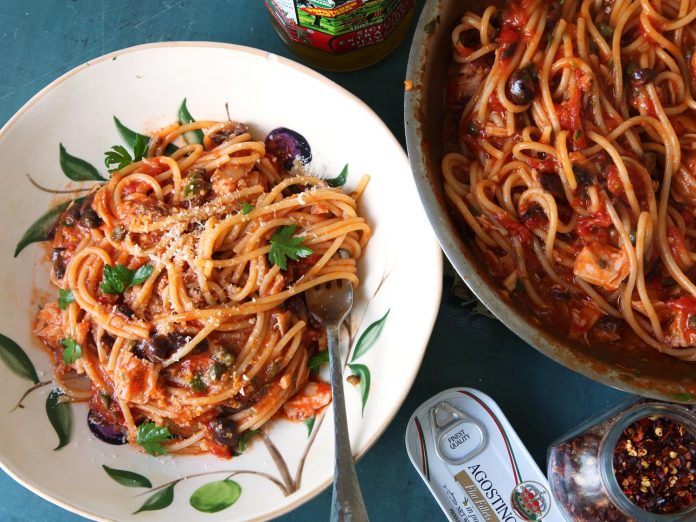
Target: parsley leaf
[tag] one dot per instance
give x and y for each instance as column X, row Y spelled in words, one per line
column 150, row 437
column 65, row 298
column 71, row 351
column 117, row 279
column 284, row 245
column 141, row 275
column 118, row 157
column 246, row 208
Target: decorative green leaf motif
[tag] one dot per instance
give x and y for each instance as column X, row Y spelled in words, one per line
column 43, row 228
column 369, row 337
column 317, row 360
column 363, row 372
column 60, row 415
column 76, row 168
column 128, row 478
column 339, row 180
column 130, row 137
column 160, row 500
column 310, row 424
column 17, row 360
column 216, row 496
column 185, row 117
column 684, row 397
column 243, row 441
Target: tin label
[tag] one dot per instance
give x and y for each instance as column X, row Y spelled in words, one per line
column 498, row 483
column 478, row 500
column 339, row 26
column 460, row 441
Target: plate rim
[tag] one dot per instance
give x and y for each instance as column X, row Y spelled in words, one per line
column 437, row 269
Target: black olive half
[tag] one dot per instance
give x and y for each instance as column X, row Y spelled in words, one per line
column 155, row 349
column 225, row 432
column 640, row 77
column 288, row 145
column 90, row 219
column 58, row 262
column 521, row 87
column 158, row 347
column 103, row 431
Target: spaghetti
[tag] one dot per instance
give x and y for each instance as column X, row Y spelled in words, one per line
column 181, row 282
column 573, row 135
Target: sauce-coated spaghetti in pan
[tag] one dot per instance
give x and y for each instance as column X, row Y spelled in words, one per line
column 572, row 168
column 181, row 282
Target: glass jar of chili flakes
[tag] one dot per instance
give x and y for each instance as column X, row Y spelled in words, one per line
column 635, row 463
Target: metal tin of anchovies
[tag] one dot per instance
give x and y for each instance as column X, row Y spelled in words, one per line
column 473, row 462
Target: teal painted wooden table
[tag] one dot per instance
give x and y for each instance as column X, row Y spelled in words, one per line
column 41, row 40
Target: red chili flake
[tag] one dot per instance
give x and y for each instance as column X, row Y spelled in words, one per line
column 655, row 465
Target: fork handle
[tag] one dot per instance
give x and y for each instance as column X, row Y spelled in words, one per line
column 346, row 503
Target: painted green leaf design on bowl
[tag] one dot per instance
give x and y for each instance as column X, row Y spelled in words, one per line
column 17, row 360
column 216, row 496
column 339, row 180
column 369, row 337
column 160, row 500
column 61, row 418
column 128, row 478
column 76, row 168
column 43, row 228
column 363, row 372
column 185, row 117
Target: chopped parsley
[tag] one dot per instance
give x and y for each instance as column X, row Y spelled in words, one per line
column 284, row 245
column 117, row 279
column 150, row 437
column 197, row 186
column 71, row 351
column 197, row 384
column 247, row 208
column 65, row 298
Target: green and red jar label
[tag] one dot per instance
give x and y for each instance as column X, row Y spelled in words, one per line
column 339, row 26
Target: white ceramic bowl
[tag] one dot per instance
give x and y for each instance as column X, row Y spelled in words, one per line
column 401, row 273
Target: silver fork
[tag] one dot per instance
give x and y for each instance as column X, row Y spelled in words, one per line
column 330, row 304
